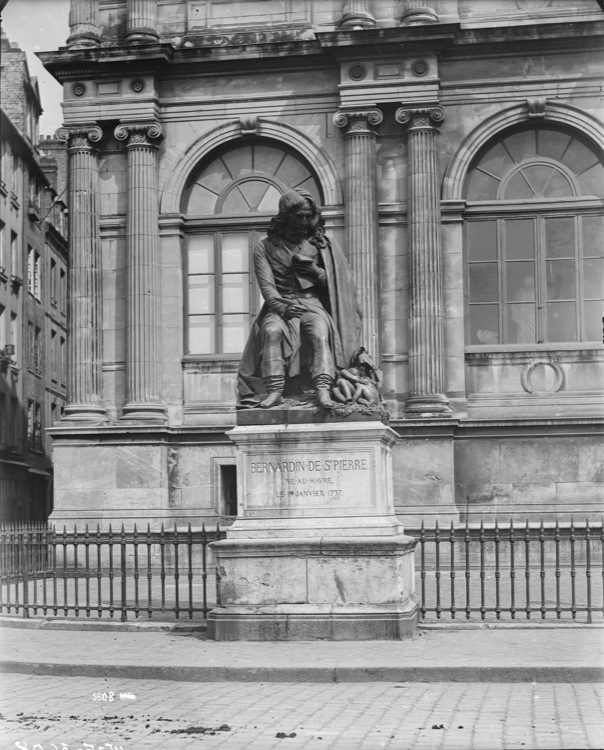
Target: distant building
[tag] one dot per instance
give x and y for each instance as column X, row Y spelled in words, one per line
column 33, row 294
column 456, row 146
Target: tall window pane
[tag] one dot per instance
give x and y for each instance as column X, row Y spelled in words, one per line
column 235, row 331
column 484, row 324
column 560, row 237
column 235, row 252
column 201, row 334
column 561, row 321
column 483, row 282
column 482, row 240
column 520, row 239
column 560, row 280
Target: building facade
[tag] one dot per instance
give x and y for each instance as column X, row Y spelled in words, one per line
column 33, row 312
column 456, row 149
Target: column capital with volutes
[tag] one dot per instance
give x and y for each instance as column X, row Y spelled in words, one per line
column 358, row 121
column 144, row 134
column 426, row 117
column 80, row 137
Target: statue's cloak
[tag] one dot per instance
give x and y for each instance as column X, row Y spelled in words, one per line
column 340, row 300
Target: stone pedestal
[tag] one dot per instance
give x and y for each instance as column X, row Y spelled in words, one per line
column 316, row 551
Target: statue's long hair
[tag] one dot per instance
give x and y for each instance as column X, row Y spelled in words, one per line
column 289, row 203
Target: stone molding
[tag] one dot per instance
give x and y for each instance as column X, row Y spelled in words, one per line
column 82, row 137
column 139, row 134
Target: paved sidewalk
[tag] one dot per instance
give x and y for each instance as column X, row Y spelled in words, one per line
column 504, row 654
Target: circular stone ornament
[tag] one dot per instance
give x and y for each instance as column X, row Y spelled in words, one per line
column 357, row 72
column 542, row 378
column 138, row 86
column 420, row 68
column 78, row 89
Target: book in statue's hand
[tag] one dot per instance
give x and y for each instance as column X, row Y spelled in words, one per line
column 303, row 260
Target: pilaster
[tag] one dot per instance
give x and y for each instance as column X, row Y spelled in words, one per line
column 83, row 31
column 143, row 347
column 426, row 349
column 142, row 22
column 84, row 375
column 361, row 215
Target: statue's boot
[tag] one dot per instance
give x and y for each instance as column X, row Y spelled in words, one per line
column 274, row 388
column 323, row 385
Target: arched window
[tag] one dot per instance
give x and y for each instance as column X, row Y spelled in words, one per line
column 535, row 240
column 228, row 203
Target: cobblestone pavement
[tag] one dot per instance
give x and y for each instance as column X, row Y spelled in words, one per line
column 42, row 712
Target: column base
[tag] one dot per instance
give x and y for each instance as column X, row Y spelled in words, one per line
column 419, row 16
column 428, row 405
column 84, row 413
column 144, row 413
column 83, row 41
column 142, row 36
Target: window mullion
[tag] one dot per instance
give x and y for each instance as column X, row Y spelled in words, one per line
column 218, row 292
column 540, row 273
column 502, row 311
column 579, row 316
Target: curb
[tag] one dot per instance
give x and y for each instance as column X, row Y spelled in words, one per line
column 102, row 625
column 310, row 674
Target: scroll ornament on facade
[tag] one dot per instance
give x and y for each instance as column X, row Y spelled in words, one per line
column 138, row 133
column 420, row 118
column 80, row 136
column 358, row 122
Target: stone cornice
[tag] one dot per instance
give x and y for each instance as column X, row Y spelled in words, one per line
column 445, row 40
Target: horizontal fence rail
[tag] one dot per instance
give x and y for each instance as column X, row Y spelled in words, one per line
column 484, row 572
column 515, row 571
column 48, row 572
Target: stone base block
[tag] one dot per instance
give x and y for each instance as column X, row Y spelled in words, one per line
column 330, row 588
column 310, row 623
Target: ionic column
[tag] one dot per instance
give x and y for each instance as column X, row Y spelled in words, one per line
column 142, row 22
column 362, row 216
column 357, row 14
column 83, row 31
column 417, row 13
column 426, row 354
column 84, row 294
column 143, row 331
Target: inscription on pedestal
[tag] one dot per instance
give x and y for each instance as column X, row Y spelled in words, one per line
column 317, row 479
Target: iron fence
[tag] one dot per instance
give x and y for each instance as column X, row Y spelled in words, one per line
column 512, row 571
column 44, row 571
column 486, row 572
